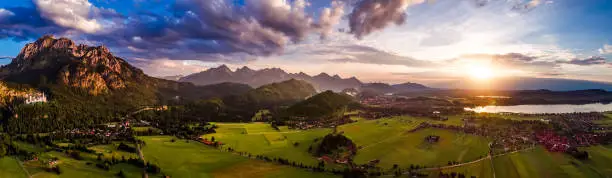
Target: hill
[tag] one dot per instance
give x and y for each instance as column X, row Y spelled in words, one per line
column 383, row 88
column 324, row 104
column 85, row 86
column 257, row 78
column 286, row 92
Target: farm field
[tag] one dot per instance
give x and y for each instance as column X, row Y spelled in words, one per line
column 411, row 148
column 77, row 168
column 9, row 167
column 69, row 166
column 193, row 159
column 540, row 163
column 110, row 151
column 262, row 139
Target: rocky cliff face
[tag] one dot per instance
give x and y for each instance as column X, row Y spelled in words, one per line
column 62, row 61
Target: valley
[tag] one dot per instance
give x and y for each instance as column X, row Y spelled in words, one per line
column 87, row 113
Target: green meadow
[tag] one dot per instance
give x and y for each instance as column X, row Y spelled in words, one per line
column 262, row 139
column 540, row 163
column 193, row 159
column 411, row 148
column 389, row 141
column 9, row 167
column 70, row 167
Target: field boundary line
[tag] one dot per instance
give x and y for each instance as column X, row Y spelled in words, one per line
column 23, row 168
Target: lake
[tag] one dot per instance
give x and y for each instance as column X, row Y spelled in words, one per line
column 538, row 109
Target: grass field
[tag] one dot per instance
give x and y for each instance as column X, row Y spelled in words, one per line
column 72, row 168
column 411, row 148
column 110, row 151
column 9, row 167
column 193, row 159
column 69, row 167
column 541, row 163
column 389, row 141
column 262, row 139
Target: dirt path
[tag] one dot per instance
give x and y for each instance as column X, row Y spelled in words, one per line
column 471, row 162
column 144, row 170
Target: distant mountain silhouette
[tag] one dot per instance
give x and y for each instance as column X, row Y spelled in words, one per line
column 256, row 78
column 526, row 83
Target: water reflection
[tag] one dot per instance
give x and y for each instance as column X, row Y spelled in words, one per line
column 538, row 109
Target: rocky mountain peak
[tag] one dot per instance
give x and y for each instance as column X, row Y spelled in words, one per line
column 245, row 70
column 222, row 68
column 323, row 74
column 92, row 68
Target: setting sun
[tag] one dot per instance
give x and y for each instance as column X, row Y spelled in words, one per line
column 480, row 71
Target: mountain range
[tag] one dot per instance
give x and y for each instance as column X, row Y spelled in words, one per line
column 256, row 78
column 65, row 69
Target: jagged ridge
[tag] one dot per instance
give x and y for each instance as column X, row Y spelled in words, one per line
column 256, row 78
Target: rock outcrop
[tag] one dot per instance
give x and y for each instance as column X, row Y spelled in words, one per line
column 62, row 61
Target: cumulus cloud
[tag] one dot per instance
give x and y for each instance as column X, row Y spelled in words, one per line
column 372, row 15
column 69, row 13
column 606, row 49
column 330, row 17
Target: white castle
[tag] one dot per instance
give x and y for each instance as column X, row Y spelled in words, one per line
column 36, row 98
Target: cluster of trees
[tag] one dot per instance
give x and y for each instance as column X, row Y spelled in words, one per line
column 331, row 144
column 322, row 105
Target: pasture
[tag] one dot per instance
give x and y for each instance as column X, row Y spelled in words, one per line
column 69, row 166
column 262, row 139
column 9, row 167
column 540, row 163
column 412, row 148
column 192, row 159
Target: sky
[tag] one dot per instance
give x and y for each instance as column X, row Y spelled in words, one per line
column 395, row 41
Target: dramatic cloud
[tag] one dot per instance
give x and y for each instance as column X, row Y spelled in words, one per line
column 69, row 13
column 20, row 23
column 606, row 49
column 372, row 15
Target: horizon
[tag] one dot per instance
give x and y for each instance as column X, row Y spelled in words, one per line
column 421, row 41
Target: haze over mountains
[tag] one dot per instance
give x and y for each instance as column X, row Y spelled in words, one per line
column 256, row 78
column 95, row 69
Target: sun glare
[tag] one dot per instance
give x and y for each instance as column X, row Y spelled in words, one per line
column 481, row 72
